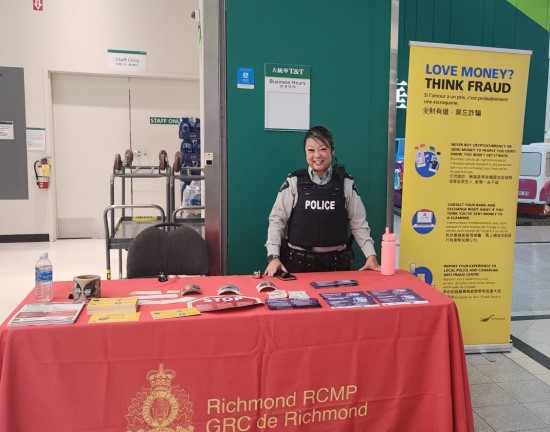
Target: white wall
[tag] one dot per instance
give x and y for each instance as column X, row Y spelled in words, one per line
column 74, row 35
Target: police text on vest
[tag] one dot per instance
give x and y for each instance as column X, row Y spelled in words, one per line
column 320, row 204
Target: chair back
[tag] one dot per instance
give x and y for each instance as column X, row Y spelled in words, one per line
column 158, row 249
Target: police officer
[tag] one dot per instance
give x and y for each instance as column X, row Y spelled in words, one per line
column 308, row 225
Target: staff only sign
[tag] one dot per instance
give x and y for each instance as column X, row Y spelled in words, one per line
column 462, row 153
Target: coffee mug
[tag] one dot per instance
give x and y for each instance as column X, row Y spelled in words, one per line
column 85, row 287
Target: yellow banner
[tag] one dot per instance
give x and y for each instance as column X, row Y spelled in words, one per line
column 462, row 153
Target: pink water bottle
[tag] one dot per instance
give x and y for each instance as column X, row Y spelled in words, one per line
column 389, row 244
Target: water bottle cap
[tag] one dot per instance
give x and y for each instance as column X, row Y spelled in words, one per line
column 389, row 237
column 43, row 254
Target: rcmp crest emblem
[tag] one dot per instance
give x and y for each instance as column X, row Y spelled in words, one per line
column 162, row 407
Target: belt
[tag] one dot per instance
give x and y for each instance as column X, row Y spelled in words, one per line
column 313, row 261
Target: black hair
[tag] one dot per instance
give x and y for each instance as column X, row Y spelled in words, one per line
column 322, row 134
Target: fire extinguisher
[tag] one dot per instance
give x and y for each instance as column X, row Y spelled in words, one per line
column 42, row 173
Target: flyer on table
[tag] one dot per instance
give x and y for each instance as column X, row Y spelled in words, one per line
column 462, row 153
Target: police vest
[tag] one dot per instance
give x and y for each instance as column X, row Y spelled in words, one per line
column 319, row 217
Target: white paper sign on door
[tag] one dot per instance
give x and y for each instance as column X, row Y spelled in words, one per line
column 287, row 95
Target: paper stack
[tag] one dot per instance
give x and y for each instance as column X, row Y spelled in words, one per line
column 46, row 313
column 118, row 305
column 397, row 296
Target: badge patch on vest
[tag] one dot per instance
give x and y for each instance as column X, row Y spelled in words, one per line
column 284, row 186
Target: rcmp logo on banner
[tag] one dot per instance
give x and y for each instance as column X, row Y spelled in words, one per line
column 162, row 407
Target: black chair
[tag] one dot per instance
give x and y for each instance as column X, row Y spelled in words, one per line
column 168, row 249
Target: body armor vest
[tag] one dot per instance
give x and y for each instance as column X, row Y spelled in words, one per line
column 319, row 217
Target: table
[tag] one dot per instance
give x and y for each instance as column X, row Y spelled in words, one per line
column 386, row 368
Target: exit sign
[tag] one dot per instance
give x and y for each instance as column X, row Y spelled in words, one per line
column 164, row 120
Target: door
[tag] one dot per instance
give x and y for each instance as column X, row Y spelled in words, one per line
column 97, row 117
column 90, row 125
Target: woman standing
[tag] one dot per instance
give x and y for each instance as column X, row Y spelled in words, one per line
column 308, row 225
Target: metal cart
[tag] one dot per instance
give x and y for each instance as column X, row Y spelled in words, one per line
column 119, row 234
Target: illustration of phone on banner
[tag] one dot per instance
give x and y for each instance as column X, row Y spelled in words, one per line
column 420, row 159
column 426, row 160
column 434, row 164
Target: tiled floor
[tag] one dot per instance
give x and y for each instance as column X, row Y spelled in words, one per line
column 531, row 298
column 510, row 392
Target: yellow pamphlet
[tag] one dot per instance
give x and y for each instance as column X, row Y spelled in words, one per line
column 174, row 313
column 112, row 305
column 114, row 317
column 110, row 301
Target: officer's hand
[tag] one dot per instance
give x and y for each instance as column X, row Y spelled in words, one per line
column 273, row 267
column 371, row 264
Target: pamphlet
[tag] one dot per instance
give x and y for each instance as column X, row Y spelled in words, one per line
column 173, row 291
column 334, row 283
column 112, row 305
column 45, row 314
column 158, row 296
column 277, row 294
column 101, row 317
column 138, row 293
column 165, row 301
column 292, row 303
column 298, row 294
column 175, row 313
column 398, row 296
column 354, row 299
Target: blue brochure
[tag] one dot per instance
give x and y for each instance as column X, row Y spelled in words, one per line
column 292, row 303
column 398, row 296
column 334, row 283
column 354, row 299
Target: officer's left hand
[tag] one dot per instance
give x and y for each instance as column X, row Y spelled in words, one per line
column 371, row 264
column 274, row 266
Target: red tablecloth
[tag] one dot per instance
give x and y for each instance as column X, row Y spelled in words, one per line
column 393, row 368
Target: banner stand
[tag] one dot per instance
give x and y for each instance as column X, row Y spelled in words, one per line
column 488, row 348
column 465, row 112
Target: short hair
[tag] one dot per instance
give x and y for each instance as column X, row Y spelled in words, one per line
column 320, row 133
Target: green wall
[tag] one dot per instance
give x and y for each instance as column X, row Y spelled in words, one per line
column 347, row 45
column 490, row 23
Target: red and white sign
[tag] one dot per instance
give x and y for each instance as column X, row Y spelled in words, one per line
column 38, row 5
column 215, row 303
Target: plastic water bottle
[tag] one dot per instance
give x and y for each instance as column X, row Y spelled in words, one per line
column 192, row 197
column 187, row 195
column 389, row 246
column 195, row 193
column 43, row 279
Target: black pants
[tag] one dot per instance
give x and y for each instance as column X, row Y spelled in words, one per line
column 297, row 261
